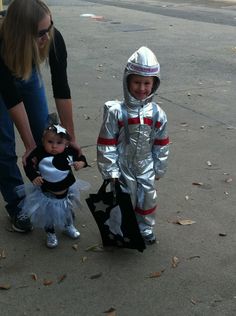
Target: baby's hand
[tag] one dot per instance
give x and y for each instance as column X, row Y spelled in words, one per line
column 78, row 165
column 38, row 181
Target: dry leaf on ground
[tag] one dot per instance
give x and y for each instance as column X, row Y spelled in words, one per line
column 110, row 312
column 84, row 259
column 193, row 257
column 96, row 247
column 5, row 286
column 2, row 254
column 96, row 276
column 222, row 234
column 75, row 246
column 174, row 261
column 156, row 274
column 47, row 282
column 197, row 183
column 209, row 163
column 34, row 276
column 185, row 222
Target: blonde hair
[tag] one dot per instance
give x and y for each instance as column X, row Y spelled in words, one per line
column 18, row 33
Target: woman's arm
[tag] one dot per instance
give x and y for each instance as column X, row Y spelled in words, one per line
column 20, row 119
column 61, row 89
column 64, row 109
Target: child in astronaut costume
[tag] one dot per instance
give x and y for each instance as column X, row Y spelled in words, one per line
column 54, row 191
column 132, row 146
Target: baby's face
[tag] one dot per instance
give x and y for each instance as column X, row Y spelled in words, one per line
column 140, row 87
column 53, row 143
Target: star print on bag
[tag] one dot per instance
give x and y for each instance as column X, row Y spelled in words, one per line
column 115, row 218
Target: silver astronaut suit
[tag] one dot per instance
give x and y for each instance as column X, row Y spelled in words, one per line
column 133, row 141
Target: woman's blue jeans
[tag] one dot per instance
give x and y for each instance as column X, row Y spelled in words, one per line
column 34, row 98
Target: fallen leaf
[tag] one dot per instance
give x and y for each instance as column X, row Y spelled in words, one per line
column 197, row 183
column 96, row 247
column 193, row 257
column 5, row 286
column 156, row 274
column 228, row 180
column 222, row 234
column 34, row 276
column 209, row 163
column 47, row 282
column 84, row 259
column 186, row 197
column 96, row 276
column 193, row 301
column 75, row 246
column 3, row 255
column 110, row 312
column 174, row 261
column 185, row 222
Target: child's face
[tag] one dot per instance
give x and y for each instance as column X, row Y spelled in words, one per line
column 140, row 87
column 53, row 143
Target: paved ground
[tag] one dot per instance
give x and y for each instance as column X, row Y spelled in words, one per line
column 198, row 93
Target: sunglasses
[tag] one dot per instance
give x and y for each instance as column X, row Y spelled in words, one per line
column 43, row 32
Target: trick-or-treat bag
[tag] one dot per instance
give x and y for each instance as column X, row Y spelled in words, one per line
column 115, row 217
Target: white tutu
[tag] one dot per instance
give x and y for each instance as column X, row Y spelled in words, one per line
column 45, row 210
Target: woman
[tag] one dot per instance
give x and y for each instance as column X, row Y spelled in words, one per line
column 27, row 39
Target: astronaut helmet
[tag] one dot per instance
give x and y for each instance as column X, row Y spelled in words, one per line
column 142, row 62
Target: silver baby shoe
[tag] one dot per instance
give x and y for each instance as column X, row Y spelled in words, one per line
column 71, row 231
column 51, row 241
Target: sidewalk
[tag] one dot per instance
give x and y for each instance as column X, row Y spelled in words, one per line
column 191, row 271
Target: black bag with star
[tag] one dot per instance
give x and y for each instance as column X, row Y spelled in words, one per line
column 115, row 217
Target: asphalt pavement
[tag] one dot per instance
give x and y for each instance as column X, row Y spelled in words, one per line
column 191, row 270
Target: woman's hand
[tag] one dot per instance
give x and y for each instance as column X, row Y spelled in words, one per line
column 76, row 147
column 20, row 119
column 26, row 154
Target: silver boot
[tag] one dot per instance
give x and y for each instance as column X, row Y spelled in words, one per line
column 51, row 241
column 71, row 231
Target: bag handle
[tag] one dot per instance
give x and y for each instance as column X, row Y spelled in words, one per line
column 103, row 186
column 115, row 189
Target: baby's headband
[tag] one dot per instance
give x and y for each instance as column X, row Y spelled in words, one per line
column 58, row 129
